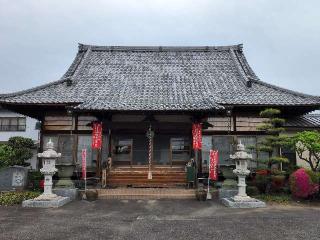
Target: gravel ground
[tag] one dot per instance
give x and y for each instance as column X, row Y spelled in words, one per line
column 159, row 219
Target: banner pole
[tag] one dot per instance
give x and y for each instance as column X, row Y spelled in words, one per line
column 85, row 176
column 84, row 167
column 208, row 191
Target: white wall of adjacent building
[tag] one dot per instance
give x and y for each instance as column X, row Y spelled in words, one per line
column 303, row 163
column 28, row 132
column 299, row 162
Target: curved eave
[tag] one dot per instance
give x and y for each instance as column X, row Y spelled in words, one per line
column 296, row 93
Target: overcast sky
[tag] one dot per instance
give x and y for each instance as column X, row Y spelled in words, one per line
column 38, row 39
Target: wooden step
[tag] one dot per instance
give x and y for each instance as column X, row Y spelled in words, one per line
column 145, row 175
column 138, row 176
column 145, row 172
column 173, row 169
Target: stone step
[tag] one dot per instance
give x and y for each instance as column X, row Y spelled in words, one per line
column 146, row 193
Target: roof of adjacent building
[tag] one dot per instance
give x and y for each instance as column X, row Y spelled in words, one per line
column 160, row 78
column 305, row 121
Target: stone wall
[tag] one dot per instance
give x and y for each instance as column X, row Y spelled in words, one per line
column 15, row 177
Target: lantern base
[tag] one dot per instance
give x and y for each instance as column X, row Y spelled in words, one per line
column 247, row 203
column 52, row 203
column 227, row 193
column 72, row 193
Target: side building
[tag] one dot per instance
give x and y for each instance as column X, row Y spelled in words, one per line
column 13, row 124
column 307, row 122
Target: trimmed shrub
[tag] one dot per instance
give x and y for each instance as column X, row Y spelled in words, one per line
column 252, row 191
column 263, row 172
column 11, row 198
column 301, row 185
column 6, row 153
column 262, row 182
column 277, row 183
column 279, row 198
column 16, row 152
column 314, row 176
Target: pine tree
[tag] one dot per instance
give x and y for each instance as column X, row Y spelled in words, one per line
column 272, row 126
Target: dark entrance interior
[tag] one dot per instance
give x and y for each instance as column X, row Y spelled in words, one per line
column 167, row 149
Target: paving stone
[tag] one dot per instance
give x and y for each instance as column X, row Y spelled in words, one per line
column 54, row 203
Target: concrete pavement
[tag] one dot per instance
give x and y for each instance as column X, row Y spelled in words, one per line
column 159, row 219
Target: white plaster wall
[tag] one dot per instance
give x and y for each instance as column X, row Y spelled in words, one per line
column 30, row 127
column 302, row 163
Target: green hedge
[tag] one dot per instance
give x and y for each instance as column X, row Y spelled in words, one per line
column 314, row 176
column 11, row 198
column 280, row 198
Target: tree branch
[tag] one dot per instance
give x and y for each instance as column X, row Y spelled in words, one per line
column 309, row 161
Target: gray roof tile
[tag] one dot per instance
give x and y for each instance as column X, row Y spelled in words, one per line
column 304, row 121
column 160, row 78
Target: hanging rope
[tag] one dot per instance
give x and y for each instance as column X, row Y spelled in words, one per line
column 150, row 151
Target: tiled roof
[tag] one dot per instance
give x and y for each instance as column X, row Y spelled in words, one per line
column 160, row 78
column 305, row 121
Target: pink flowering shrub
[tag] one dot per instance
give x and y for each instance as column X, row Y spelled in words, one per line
column 301, row 185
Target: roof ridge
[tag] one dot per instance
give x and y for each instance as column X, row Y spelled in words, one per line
column 84, row 47
column 246, row 66
column 80, row 64
column 239, row 67
column 74, row 65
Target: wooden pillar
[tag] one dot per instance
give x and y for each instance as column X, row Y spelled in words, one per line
column 109, row 143
column 196, row 159
column 98, row 168
column 40, row 149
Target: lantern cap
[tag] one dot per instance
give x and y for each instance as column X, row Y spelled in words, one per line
column 50, row 152
column 240, row 146
column 50, row 144
column 241, row 153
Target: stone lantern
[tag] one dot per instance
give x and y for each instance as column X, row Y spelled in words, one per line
column 47, row 198
column 48, row 170
column 242, row 200
column 241, row 158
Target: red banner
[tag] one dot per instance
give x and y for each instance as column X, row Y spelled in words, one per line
column 96, row 135
column 213, row 168
column 197, row 136
column 84, row 163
